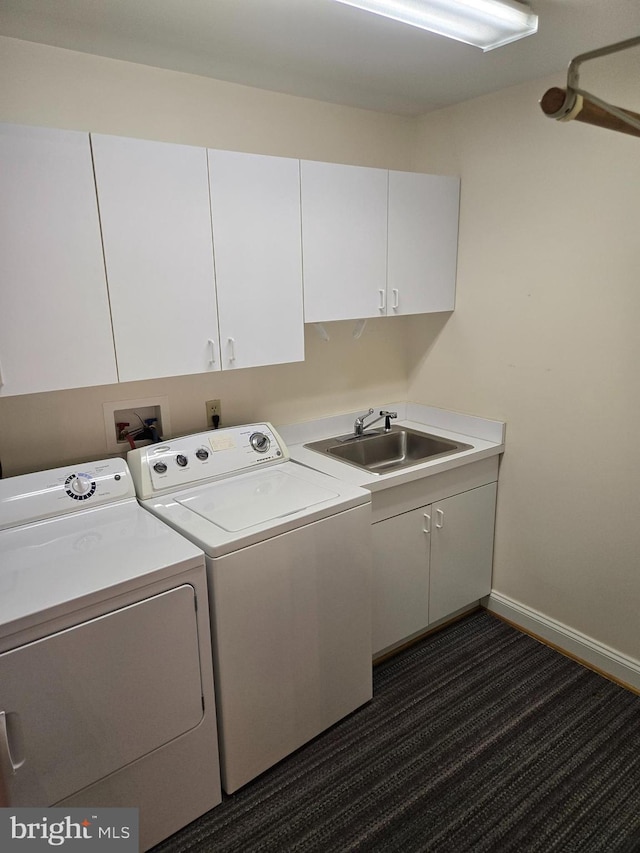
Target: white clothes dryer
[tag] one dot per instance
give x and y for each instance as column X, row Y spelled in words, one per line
column 106, row 682
column 289, row 571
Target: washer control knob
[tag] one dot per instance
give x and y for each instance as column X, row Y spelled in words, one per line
column 160, row 467
column 202, row 453
column 260, row 442
column 181, row 460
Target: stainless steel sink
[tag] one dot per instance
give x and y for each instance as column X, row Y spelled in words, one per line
column 382, row 452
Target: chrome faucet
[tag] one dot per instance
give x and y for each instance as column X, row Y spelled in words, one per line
column 358, row 427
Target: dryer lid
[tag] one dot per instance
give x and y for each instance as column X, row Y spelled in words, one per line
column 239, row 503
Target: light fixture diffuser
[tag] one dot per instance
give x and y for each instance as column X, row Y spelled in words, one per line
column 482, row 23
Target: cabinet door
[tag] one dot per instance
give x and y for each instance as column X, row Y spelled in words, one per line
column 423, row 242
column 344, row 241
column 156, row 225
column 255, row 205
column 400, row 577
column 55, row 327
column 461, row 550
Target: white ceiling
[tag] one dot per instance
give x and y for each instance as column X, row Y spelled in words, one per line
column 318, row 48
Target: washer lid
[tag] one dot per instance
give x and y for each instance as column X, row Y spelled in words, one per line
column 238, row 504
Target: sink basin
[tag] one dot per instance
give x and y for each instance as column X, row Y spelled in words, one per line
column 383, row 452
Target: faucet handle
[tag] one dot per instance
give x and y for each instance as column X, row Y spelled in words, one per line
column 361, row 418
column 358, row 426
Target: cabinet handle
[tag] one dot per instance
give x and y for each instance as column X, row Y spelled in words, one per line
column 212, row 351
column 232, row 349
column 382, row 303
column 6, row 759
column 440, row 521
column 396, row 298
column 427, row 523
column 1, row 376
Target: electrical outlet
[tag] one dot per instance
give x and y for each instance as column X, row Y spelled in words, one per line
column 213, row 408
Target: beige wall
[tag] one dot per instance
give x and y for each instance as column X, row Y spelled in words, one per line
column 52, row 87
column 545, row 336
column 59, row 88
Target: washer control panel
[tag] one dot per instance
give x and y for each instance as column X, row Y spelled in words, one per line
column 205, row 456
column 59, row 491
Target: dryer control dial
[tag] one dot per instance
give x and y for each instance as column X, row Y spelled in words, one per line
column 260, row 442
column 80, row 487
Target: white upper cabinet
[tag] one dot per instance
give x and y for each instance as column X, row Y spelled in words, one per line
column 423, row 242
column 344, row 239
column 205, row 254
column 377, row 243
column 156, row 225
column 255, row 207
column 55, row 329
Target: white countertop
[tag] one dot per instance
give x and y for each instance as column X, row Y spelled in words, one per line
column 486, row 437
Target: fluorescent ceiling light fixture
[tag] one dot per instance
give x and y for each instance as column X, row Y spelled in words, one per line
column 482, row 23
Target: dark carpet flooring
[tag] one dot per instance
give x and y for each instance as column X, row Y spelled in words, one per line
column 478, row 738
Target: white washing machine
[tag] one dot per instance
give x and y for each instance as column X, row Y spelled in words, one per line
column 106, row 682
column 289, row 572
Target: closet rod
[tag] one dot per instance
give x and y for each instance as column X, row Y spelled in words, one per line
column 575, row 103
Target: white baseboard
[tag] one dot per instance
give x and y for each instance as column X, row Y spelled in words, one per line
column 593, row 654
